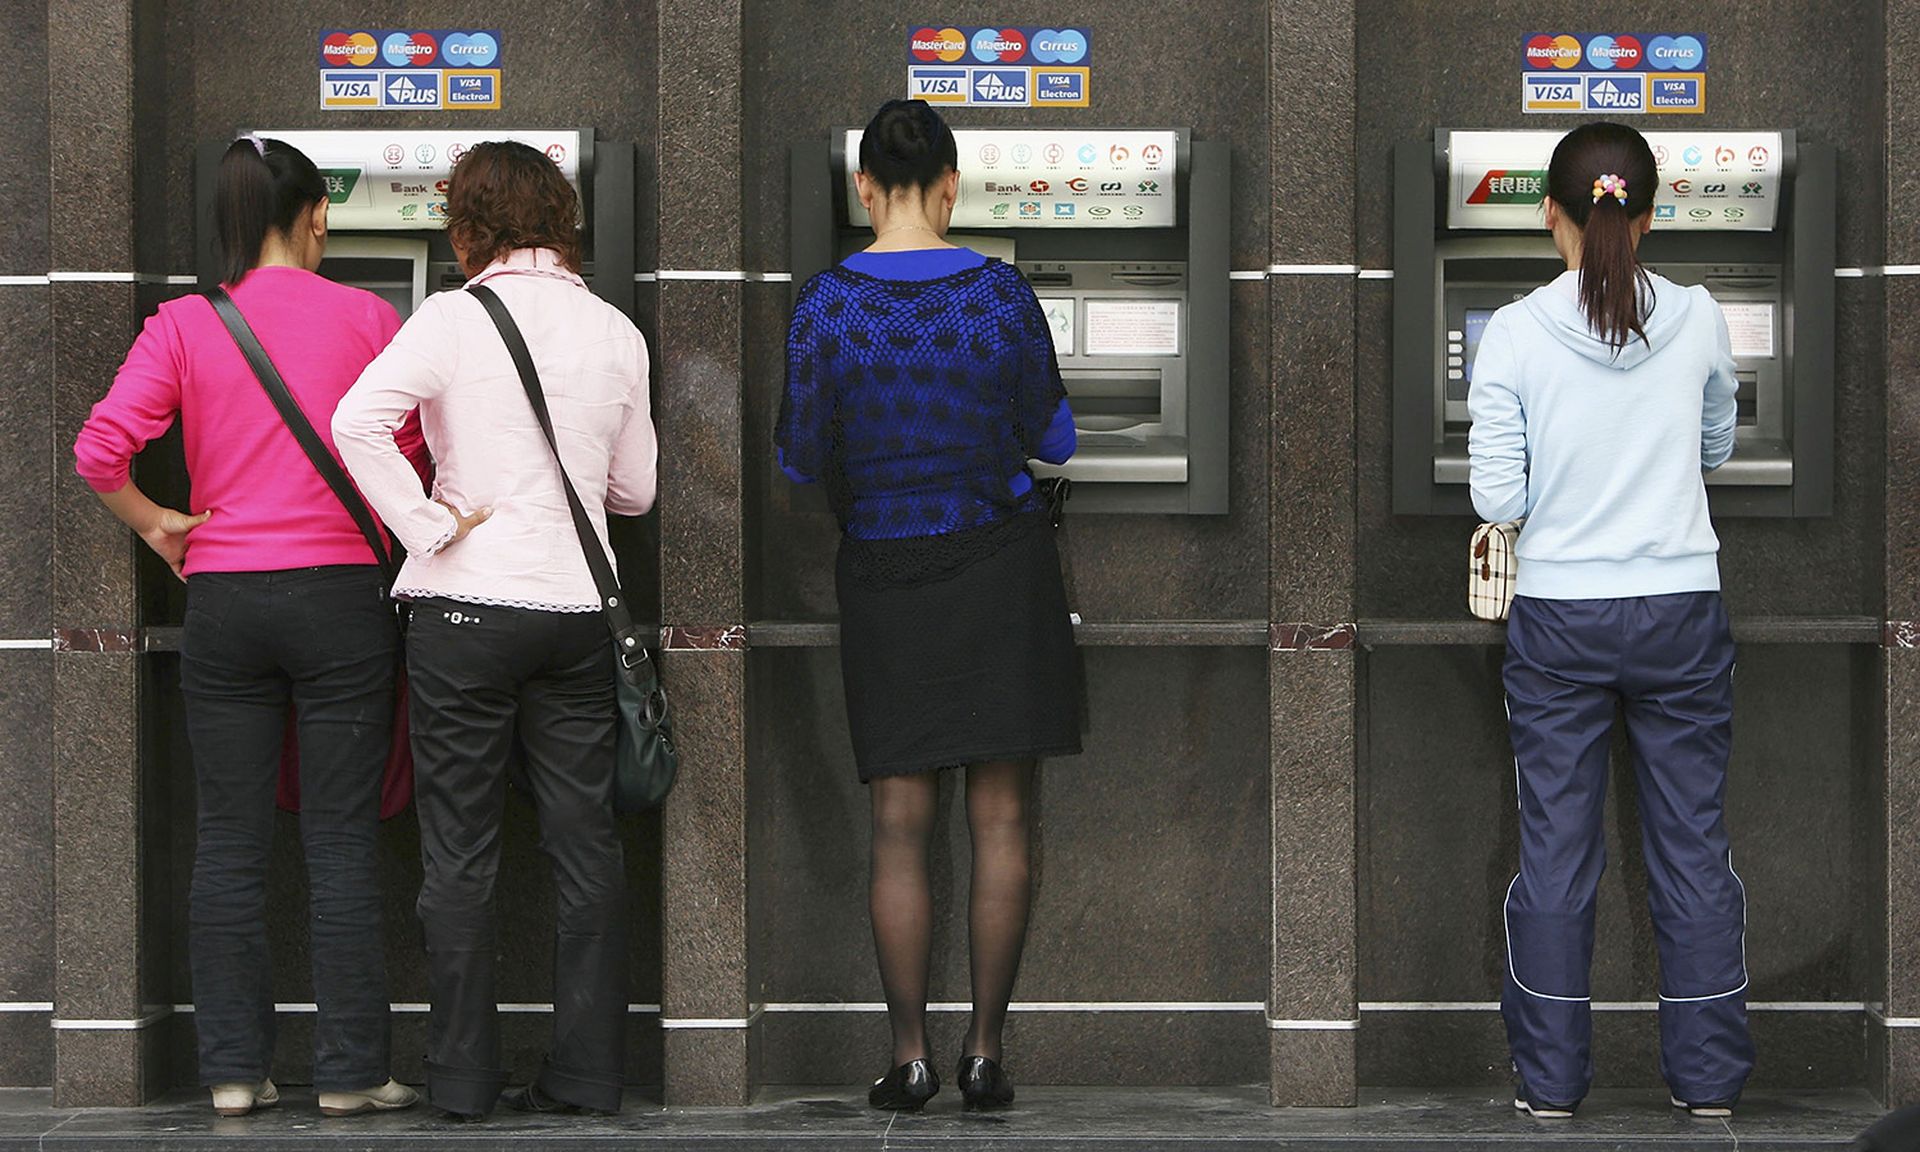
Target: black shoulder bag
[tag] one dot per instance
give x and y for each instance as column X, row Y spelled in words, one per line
column 646, row 758
column 396, row 783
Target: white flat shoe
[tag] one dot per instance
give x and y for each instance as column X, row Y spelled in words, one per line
column 240, row 1099
column 386, row 1098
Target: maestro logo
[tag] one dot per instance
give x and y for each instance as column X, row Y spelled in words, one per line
column 1605, row 52
column 415, row 49
column 470, row 49
column 942, row 44
column 1676, row 53
column 1545, row 51
column 1059, row 46
column 1002, row 46
column 355, row 48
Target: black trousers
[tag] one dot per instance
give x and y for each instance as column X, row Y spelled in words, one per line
column 481, row 678
column 325, row 640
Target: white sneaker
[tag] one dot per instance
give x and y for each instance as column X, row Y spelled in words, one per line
column 1711, row 1110
column 240, row 1099
column 386, row 1098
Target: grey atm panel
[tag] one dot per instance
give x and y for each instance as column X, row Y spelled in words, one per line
column 1775, row 285
column 404, row 264
column 1152, row 420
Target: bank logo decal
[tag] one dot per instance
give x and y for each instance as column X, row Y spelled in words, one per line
column 1010, row 67
column 410, row 90
column 1002, row 86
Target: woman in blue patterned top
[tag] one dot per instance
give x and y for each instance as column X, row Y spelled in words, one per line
column 920, row 380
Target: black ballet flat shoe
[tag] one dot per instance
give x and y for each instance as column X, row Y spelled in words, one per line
column 531, row 1099
column 984, row 1085
column 906, row 1088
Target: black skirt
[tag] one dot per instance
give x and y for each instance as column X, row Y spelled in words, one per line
column 974, row 664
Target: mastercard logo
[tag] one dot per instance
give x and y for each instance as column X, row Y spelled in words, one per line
column 357, row 49
column 944, row 44
column 1553, row 52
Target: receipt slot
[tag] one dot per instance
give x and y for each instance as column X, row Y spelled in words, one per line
column 387, row 210
column 1750, row 215
column 1123, row 235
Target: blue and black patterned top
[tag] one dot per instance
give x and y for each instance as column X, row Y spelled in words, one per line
column 919, row 384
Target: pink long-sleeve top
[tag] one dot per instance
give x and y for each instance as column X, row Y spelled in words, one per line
column 449, row 361
column 271, row 510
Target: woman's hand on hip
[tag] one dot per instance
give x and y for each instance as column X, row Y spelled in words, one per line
column 464, row 522
column 167, row 535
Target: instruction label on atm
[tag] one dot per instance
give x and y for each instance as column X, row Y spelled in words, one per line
column 397, row 178
column 1043, row 178
column 1720, row 181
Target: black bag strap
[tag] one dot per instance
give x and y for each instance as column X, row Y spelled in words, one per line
column 627, row 638
column 297, row 423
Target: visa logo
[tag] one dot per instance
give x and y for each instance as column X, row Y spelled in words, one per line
column 416, row 90
column 1007, row 86
column 1553, row 90
column 938, row 85
column 349, row 90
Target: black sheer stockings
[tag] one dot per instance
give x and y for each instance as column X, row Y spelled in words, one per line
column 901, row 899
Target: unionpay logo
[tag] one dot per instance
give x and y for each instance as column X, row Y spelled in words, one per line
column 1002, row 46
column 343, row 48
column 943, row 44
column 1509, row 186
column 404, row 90
column 1543, row 51
column 1003, row 86
column 409, row 49
column 340, row 183
column 1059, row 46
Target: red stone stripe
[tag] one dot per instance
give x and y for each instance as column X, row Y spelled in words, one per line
column 1300, row 636
column 720, row 638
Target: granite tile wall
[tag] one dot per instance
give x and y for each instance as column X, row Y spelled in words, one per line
column 26, row 844
column 26, row 462
column 1150, row 872
column 25, row 242
column 1203, row 69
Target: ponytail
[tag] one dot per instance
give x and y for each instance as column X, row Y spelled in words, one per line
column 262, row 188
column 1603, row 176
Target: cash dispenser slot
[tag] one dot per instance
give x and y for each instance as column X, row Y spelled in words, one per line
column 1122, row 233
column 1747, row 215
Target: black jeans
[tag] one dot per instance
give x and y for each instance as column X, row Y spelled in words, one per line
column 325, row 640
column 483, row 677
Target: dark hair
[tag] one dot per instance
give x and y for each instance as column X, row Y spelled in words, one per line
column 1613, row 285
column 504, row 196
column 907, row 145
column 262, row 188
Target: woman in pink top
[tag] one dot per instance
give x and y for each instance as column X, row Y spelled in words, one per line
column 285, row 604
column 508, row 647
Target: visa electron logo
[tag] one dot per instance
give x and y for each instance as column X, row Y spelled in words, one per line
column 944, row 44
column 404, row 48
column 475, row 50
column 1545, row 51
column 1614, row 52
column 1676, row 53
column 1509, row 186
column 357, row 49
column 1064, row 46
column 999, row 47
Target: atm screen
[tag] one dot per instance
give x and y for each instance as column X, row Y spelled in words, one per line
column 1475, row 324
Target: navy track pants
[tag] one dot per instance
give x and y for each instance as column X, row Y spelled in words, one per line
column 1668, row 661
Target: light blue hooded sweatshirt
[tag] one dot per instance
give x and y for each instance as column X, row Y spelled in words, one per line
column 1603, row 453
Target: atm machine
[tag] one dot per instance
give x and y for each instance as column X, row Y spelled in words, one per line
column 1748, row 214
column 1123, row 235
column 387, row 211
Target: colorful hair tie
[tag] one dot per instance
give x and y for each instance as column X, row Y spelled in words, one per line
column 1610, row 184
column 259, row 145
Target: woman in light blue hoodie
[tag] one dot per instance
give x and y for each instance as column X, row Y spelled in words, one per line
column 1598, row 402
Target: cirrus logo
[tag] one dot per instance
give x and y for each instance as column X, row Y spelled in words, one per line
column 1059, row 46
column 1676, row 53
column 471, row 50
column 409, row 48
column 999, row 46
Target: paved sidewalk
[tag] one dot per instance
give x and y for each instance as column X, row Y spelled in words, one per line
column 1081, row 1119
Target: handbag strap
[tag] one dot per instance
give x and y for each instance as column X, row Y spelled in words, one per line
column 627, row 640
column 302, row 429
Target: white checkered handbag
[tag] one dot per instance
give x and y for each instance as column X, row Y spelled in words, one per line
column 1492, row 569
